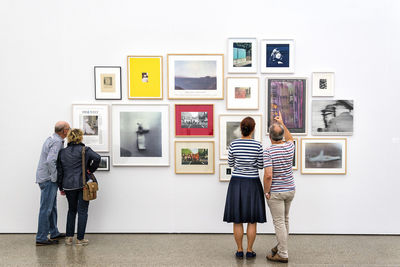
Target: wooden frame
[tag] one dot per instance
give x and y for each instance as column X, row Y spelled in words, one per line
column 231, row 56
column 208, row 168
column 232, row 103
column 297, row 126
column 223, row 140
column 196, row 93
column 104, row 91
column 321, row 163
column 191, row 132
column 146, row 87
column 223, row 176
column 326, row 88
column 274, row 53
column 140, row 134
column 94, row 120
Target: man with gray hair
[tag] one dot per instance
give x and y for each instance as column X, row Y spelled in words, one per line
column 279, row 185
column 46, row 177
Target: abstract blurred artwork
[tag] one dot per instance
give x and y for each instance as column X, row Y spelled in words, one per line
column 288, row 96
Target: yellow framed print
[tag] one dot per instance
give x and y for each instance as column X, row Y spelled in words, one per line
column 145, row 77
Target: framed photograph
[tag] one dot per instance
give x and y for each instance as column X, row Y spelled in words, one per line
column 323, row 156
column 93, row 120
column 277, row 56
column 104, row 163
column 289, row 96
column 323, row 84
column 225, row 172
column 145, row 77
column 107, row 83
column 194, row 120
column 140, row 135
column 195, row 76
column 242, row 55
column 242, row 93
column 295, row 160
column 194, row 157
column 229, row 130
column 332, row 117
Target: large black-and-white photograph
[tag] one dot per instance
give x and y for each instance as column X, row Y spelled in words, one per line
column 332, row 117
column 232, row 132
column 323, row 155
column 194, row 120
column 140, row 134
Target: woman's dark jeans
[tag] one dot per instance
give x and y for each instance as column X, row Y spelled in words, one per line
column 76, row 204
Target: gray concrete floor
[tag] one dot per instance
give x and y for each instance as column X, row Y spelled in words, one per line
column 199, row 250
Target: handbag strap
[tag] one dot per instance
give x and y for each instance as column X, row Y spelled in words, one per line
column 83, row 166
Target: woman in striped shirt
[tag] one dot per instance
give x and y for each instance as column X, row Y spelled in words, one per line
column 245, row 198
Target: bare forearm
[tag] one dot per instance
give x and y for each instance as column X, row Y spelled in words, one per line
column 288, row 136
column 267, row 183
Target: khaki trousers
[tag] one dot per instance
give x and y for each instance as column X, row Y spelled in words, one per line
column 279, row 205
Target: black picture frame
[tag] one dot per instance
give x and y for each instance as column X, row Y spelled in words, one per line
column 107, row 167
column 97, row 85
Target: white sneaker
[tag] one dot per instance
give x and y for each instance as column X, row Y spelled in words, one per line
column 68, row 240
column 82, row 242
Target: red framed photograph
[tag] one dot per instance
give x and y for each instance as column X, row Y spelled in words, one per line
column 194, row 120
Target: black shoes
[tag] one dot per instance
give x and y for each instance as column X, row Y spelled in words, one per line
column 47, row 242
column 250, row 255
column 239, row 254
column 59, row 236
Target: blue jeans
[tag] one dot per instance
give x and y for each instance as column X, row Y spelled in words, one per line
column 76, row 204
column 48, row 211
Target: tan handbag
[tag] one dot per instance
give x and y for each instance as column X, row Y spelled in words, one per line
column 89, row 189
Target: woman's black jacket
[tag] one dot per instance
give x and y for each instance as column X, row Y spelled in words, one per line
column 69, row 165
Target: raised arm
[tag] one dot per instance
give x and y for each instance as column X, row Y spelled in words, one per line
column 287, row 135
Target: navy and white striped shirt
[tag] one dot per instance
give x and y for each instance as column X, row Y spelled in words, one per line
column 280, row 158
column 246, row 157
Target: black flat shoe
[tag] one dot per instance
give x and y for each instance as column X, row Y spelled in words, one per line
column 239, row 254
column 47, row 242
column 59, row 236
column 250, row 255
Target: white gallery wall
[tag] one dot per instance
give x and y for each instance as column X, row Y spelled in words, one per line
column 47, row 53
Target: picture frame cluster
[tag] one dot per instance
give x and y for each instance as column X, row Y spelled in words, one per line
column 139, row 134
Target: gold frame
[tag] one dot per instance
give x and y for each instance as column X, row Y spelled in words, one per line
column 258, row 89
column 195, row 136
column 345, row 153
column 219, row 177
column 162, row 78
column 197, row 141
column 186, row 98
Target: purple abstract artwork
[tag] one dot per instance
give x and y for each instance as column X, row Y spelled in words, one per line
column 288, row 97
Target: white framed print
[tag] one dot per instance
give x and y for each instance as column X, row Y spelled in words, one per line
column 323, row 155
column 242, row 55
column 104, row 164
column 323, row 84
column 225, row 172
column 242, row 93
column 140, row 135
column 229, row 130
column 195, row 76
column 107, row 83
column 93, row 120
column 277, row 56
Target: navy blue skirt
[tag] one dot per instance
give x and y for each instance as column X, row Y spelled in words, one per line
column 245, row 201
